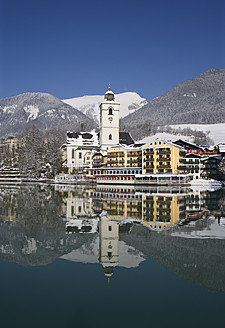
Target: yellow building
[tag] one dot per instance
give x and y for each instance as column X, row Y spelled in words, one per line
column 161, row 157
column 160, row 211
column 158, row 162
column 124, row 156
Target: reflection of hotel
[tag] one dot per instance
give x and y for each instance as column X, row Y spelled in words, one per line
column 108, row 212
column 156, row 210
column 160, row 211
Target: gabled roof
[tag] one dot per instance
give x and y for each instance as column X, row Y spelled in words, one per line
column 217, row 157
column 187, row 144
column 125, row 138
column 193, row 155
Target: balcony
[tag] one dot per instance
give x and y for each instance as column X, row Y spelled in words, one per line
column 163, row 159
column 149, row 166
column 134, row 161
column 163, row 167
column 166, row 152
column 163, row 218
column 182, row 167
column 149, row 152
column 149, row 202
column 112, row 155
column 164, row 202
column 134, row 154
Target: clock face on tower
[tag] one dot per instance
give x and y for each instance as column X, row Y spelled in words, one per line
column 110, row 119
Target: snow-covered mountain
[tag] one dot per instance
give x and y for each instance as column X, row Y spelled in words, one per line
column 40, row 109
column 216, row 131
column 89, row 105
column 197, row 101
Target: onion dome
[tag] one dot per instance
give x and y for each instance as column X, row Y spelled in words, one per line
column 109, row 95
column 108, row 271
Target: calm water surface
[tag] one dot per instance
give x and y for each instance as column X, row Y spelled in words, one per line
column 115, row 257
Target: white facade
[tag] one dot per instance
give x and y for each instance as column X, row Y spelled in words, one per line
column 78, row 158
column 81, row 146
column 109, row 121
column 80, row 149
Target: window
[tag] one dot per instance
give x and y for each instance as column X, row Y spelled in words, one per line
column 110, row 228
column 72, row 153
column 110, row 111
column 110, row 137
column 80, row 155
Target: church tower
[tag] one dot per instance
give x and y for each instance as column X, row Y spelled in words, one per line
column 109, row 121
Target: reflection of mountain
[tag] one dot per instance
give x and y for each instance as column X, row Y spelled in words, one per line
column 38, row 225
column 129, row 257
column 32, row 231
column 201, row 261
column 44, row 248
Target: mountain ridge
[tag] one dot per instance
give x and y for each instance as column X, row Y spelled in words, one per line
column 200, row 100
column 41, row 109
column 89, row 104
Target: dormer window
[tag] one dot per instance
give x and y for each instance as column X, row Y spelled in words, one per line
column 110, row 111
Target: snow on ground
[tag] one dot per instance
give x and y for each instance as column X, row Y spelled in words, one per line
column 165, row 137
column 89, row 105
column 217, row 131
column 214, row 229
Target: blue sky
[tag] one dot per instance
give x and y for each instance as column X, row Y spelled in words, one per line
column 72, row 48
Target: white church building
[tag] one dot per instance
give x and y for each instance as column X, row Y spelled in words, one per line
column 81, row 146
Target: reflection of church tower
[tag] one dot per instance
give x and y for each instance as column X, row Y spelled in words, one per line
column 109, row 121
column 109, row 239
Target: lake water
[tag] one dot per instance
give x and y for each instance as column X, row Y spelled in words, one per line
column 111, row 257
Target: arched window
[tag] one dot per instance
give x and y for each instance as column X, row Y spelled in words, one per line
column 110, row 137
column 110, row 111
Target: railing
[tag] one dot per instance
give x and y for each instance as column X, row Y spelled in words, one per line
column 163, row 166
column 148, row 152
column 166, row 152
column 181, row 167
column 133, row 154
column 134, row 161
column 163, row 159
column 163, row 202
column 163, row 218
column 112, row 155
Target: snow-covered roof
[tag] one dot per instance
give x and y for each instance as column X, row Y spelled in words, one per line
column 221, row 148
column 216, row 156
column 164, row 137
column 82, row 138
